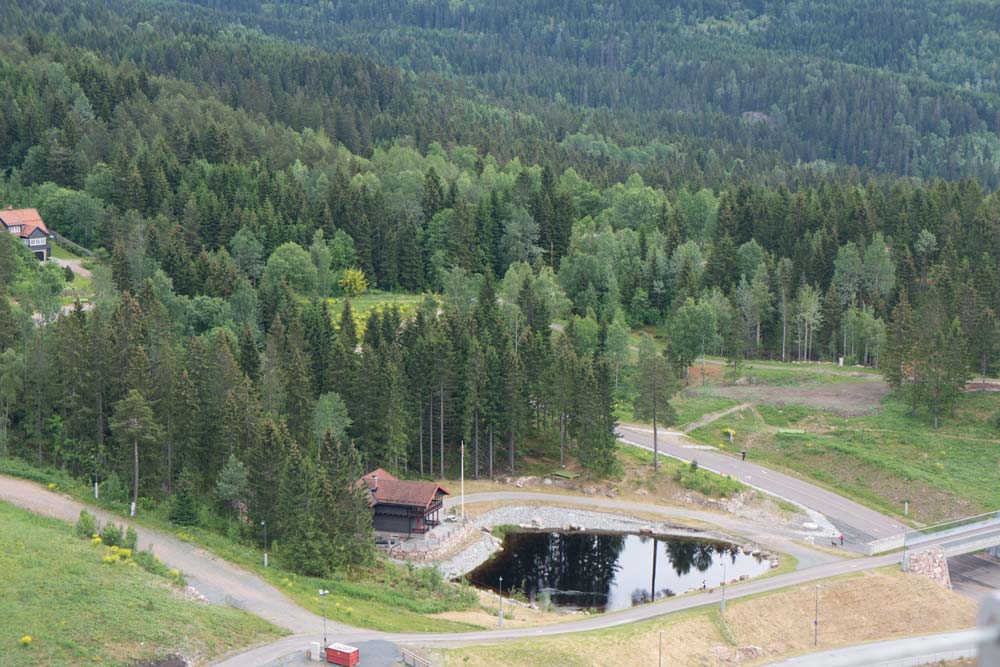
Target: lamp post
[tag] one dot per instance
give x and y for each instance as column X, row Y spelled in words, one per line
column 323, row 593
column 94, row 457
column 500, row 596
column 816, row 620
column 722, row 604
column 264, row 523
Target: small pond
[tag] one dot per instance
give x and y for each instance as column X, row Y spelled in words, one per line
column 607, row 572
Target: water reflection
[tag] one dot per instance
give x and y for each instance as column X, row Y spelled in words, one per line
column 607, row 572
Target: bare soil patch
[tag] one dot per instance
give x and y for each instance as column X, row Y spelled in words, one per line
column 849, row 399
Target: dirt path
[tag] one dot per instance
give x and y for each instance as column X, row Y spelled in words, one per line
column 75, row 264
column 712, row 416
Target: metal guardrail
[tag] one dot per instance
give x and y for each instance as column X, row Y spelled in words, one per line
column 76, row 247
column 413, row 660
column 918, row 535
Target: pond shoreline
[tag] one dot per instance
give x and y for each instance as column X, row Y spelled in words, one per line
column 548, row 518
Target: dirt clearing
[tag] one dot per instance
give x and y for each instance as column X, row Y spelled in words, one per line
column 849, row 399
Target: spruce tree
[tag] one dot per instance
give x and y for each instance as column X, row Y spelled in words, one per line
column 184, row 504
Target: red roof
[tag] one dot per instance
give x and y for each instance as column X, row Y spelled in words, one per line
column 27, row 218
column 388, row 489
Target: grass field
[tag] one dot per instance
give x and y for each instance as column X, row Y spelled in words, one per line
column 779, row 623
column 78, row 610
column 364, row 304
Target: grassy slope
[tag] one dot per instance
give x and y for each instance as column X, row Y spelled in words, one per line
column 951, row 470
column 779, row 622
column 78, row 610
column 385, row 597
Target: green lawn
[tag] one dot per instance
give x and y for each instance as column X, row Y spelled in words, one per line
column 78, row 610
column 884, row 458
column 370, row 301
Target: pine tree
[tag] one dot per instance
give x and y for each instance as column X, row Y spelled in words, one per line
column 897, row 359
column 304, row 546
column 346, row 518
column 183, row 506
column 656, row 383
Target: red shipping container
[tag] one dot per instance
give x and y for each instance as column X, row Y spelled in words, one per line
column 342, row 654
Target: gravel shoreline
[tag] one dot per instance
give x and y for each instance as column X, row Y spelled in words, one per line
column 547, row 517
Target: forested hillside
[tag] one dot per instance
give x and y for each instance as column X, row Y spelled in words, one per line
column 906, row 88
column 543, row 184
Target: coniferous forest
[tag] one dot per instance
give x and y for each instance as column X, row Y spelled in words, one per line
column 794, row 181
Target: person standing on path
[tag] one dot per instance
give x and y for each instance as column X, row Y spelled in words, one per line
column 841, row 539
column 744, row 454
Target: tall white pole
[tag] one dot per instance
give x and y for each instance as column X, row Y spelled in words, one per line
column 463, row 480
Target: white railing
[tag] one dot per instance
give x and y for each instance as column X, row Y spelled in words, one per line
column 413, row 660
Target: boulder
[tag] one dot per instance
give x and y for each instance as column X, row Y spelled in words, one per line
column 547, row 482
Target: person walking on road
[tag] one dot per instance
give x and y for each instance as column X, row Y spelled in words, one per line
column 744, row 454
column 841, row 539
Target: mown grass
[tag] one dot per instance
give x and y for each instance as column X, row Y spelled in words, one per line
column 686, row 475
column 883, row 458
column 386, row 596
column 77, row 609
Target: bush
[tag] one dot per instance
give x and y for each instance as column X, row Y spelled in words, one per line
column 113, row 489
column 86, row 525
column 131, row 539
column 111, row 535
column 68, row 274
column 148, row 561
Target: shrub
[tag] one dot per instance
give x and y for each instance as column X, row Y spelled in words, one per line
column 68, row 274
column 111, row 535
column 131, row 539
column 86, row 525
column 113, row 489
column 148, row 561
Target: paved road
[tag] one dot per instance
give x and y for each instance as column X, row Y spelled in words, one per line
column 974, row 576
column 927, row 649
column 856, row 521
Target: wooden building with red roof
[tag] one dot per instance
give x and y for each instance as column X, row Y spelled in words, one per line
column 29, row 227
column 401, row 506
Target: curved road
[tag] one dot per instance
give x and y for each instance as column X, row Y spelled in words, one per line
column 857, row 522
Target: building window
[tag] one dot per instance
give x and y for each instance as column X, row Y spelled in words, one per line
column 36, row 241
column 16, row 229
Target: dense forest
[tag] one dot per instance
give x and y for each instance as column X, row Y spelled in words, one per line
column 237, row 182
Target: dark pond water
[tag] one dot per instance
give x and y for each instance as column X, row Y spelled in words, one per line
column 608, row 572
